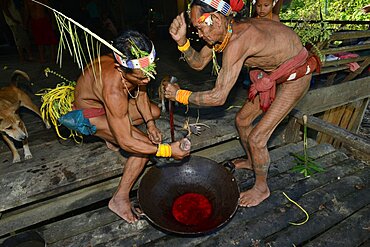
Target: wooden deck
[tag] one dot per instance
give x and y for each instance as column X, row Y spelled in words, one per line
column 337, row 201
column 63, row 192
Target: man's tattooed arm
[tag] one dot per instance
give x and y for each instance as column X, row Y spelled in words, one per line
column 218, row 95
column 198, row 60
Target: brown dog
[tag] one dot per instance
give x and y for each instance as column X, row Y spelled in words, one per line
column 11, row 125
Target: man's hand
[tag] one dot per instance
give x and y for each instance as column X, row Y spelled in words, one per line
column 178, row 29
column 154, row 134
column 180, row 149
column 170, row 90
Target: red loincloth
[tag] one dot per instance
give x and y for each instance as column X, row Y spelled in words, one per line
column 42, row 32
column 91, row 112
column 265, row 84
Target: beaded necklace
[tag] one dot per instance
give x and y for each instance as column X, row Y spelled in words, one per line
column 124, row 82
column 225, row 42
column 221, row 47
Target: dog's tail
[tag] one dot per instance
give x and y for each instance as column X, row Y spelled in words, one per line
column 16, row 74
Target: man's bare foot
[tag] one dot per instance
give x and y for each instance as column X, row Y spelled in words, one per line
column 242, row 164
column 253, row 197
column 111, row 146
column 122, row 207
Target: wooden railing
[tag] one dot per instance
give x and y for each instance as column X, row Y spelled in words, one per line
column 338, row 100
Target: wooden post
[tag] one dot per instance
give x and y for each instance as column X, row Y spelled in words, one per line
column 249, row 8
column 277, row 7
column 181, row 6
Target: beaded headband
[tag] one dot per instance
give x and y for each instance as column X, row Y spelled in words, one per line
column 144, row 61
column 221, row 6
column 139, row 63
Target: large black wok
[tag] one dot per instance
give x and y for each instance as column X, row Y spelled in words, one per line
column 161, row 186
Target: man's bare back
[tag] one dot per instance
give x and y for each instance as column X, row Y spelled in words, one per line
column 88, row 91
column 275, row 45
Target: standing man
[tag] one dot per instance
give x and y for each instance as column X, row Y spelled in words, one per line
column 110, row 99
column 15, row 22
column 276, row 56
column 39, row 19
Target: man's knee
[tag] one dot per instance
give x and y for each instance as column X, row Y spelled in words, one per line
column 242, row 121
column 257, row 140
column 156, row 112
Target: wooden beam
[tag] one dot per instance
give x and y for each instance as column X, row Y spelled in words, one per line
column 345, row 48
column 329, row 22
column 322, row 99
column 345, row 61
column 330, row 69
column 57, row 206
column 358, row 71
column 350, row 34
column 345, row 136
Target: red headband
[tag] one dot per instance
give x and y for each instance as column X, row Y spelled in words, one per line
column 236, row 5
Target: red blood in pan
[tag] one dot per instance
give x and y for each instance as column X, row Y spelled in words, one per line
column 191, row 209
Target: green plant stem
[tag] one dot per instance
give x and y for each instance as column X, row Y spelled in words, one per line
column 305, row 143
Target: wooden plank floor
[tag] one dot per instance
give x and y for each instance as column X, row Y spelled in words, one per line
column 63, row 191
column 337, row 202
column 74, row 212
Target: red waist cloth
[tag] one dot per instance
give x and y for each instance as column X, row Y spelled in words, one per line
column 265, row 84
column 42, row 32
column 91, row 112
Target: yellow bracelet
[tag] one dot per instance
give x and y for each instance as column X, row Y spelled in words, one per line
column 185, row 47
column 164, row 150
column 182, row 96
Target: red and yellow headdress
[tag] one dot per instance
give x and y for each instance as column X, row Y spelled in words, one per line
column 223, row 7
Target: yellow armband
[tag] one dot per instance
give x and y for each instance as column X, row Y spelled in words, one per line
column 182, row 96
column 164, row 150
column 185, row 47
